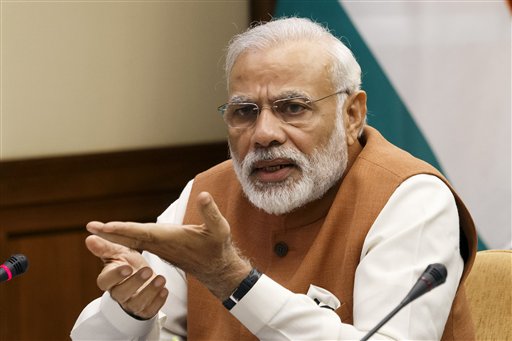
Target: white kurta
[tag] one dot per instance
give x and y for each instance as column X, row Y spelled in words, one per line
column 418, row 226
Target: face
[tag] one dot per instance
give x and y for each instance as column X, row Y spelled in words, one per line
column 264, row 76
column 282, row 166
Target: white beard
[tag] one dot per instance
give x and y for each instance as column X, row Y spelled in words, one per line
column 319, row 172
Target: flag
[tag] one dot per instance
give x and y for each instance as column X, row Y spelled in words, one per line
column 438, row 79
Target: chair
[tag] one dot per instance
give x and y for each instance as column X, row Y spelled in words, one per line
column 489, row 291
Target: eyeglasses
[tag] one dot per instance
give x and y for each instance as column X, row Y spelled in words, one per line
column 293, row 111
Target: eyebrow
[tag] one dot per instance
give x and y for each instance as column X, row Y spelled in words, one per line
column 283, row 95
column 240, row 99
column 291, row 94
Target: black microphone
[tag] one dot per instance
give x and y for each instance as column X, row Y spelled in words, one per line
column 433, row 276
column 14, row 266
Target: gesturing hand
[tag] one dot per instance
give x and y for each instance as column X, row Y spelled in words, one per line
column 204, row 251
column 128, row 278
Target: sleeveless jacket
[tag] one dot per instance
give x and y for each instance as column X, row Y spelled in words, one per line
column 324, row 238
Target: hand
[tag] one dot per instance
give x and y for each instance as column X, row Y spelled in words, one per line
column 204, row 251
column 128, row 278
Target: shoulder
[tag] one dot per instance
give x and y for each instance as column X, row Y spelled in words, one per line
column 384, row 157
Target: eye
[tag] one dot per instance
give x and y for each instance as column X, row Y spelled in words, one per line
column 292, row 107
column 241, row 114
column 244, row 110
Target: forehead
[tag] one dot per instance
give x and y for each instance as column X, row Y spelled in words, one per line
column 303, row 66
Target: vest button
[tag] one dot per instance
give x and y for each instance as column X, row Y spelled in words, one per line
column 281, row 249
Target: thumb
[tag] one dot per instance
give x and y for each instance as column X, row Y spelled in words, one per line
column 102, row 248
column 214, row 220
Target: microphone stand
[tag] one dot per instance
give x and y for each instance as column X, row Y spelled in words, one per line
column 433, row 276
column 385, row 320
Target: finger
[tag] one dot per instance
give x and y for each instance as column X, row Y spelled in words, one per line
column 212, row 217
column 154, row 307
column 132, row 235
column 124, row 291
column 103, row 248
column 149, row 300
column 93, row 225
column 113, row 275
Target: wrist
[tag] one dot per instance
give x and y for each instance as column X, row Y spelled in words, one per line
column 223, row 276
column 243, row 288
column 135, row 316
column 230, row 279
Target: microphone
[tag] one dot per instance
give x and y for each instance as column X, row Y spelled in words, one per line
column 14, row 266
column 433, row 276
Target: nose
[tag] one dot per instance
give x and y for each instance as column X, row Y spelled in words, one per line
column 268, row 129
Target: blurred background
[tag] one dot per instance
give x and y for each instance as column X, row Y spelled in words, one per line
column 107, row 108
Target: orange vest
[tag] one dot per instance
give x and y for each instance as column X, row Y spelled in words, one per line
column 324, row 238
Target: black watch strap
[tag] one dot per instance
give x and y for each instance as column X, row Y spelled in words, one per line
column 242, row 289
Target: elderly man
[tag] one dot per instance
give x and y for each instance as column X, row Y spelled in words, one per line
column 315, row 230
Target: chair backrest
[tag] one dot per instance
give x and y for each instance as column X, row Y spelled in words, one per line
column 489, row 291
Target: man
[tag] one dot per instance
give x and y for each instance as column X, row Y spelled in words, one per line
column 315, row 230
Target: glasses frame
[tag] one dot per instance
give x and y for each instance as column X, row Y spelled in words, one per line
column 222, row 109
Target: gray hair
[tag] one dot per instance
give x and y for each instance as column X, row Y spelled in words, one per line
column 345, row 73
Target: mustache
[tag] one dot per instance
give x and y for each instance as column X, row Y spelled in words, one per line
column 278, row 152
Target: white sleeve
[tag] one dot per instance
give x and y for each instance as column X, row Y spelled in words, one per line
column 418, row 226
column 104, row 319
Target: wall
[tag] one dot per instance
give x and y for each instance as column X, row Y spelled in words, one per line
column 99, row 76
column 107, row 109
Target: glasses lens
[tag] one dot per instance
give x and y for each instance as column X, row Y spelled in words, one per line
column 240, row 115
column 293, row 109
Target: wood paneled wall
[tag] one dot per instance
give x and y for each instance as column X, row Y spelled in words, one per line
column 44, row 206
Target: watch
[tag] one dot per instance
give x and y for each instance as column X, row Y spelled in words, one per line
column 242, row 289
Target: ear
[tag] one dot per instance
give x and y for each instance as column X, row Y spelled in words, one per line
column 354, row 115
